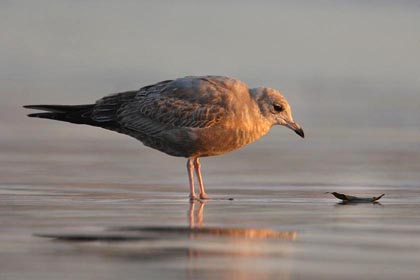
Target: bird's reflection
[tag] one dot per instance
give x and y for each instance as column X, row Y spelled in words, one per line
column 236, row 246
column 192, row 221
column 233, row 248
column 197, row 228
column 194, row 229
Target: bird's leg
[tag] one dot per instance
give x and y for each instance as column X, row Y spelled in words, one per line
column 197, row 166
column 190, row 167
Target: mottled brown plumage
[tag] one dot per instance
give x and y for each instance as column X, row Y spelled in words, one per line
column 188, row 117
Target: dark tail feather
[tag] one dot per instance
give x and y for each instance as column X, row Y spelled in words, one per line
column 79, row 114
column 60, row 108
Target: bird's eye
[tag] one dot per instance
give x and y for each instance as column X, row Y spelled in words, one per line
column 277, row 107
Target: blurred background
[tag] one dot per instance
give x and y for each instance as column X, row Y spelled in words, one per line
column 350, row 69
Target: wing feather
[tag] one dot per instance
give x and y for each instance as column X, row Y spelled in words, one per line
column 167, row 105
column 190, row 102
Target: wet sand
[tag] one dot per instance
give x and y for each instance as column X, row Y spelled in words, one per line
column 147, row 232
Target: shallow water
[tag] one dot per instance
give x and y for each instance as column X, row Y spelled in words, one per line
column 103, row 232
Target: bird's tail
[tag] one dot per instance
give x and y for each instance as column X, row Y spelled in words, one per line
column 79, row 114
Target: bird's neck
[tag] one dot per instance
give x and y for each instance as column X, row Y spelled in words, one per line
column 253, row 127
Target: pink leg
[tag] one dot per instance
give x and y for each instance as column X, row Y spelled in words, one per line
column 190, row 167
column 197, row 166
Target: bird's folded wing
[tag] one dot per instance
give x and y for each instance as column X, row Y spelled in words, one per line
column 168, row 105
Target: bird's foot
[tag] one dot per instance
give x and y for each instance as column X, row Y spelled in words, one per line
column 204, row 196
column 193, row 198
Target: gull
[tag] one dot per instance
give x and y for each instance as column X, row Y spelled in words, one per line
column 191, row 117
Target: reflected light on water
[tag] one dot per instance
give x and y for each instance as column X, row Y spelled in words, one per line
column 201, row 248
column 195, row 229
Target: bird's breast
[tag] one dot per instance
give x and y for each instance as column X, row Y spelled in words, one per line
column 219, row 140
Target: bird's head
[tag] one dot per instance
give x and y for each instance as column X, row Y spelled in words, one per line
column 275, row 108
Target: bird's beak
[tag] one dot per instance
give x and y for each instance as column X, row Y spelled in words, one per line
column 296, row 128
